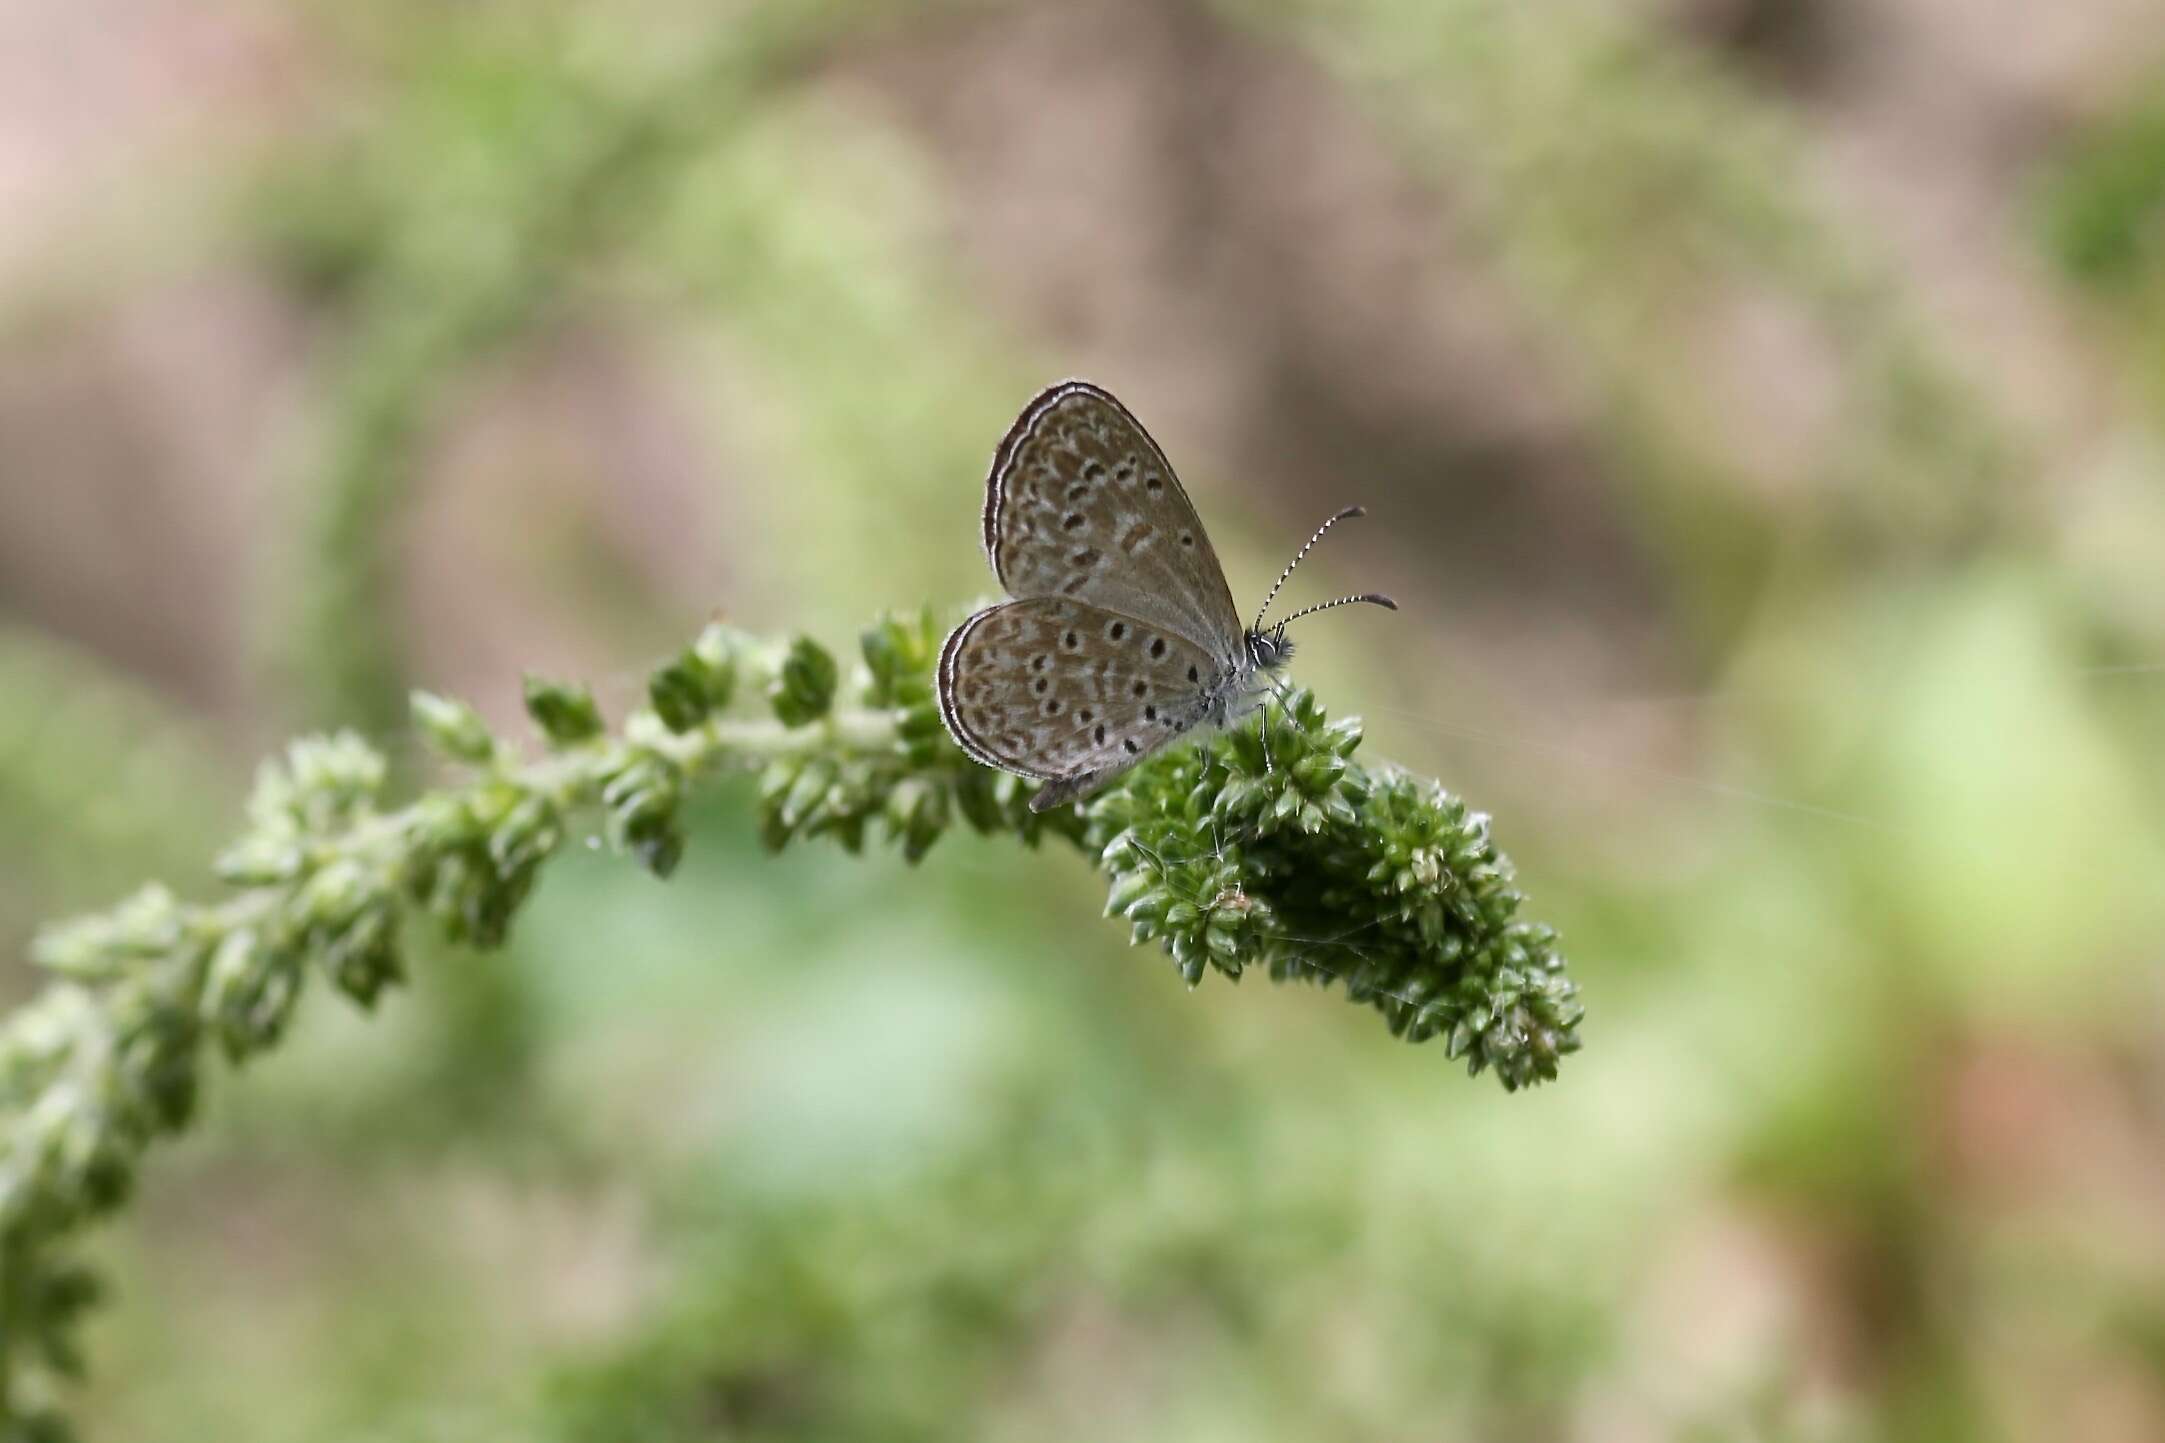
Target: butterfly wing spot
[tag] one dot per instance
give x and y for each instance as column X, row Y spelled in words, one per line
column 1085, row 558
column 1074, row 715
column 1193, row 674
column 1187, row 538
column 1157, row 648
column 1136, row 535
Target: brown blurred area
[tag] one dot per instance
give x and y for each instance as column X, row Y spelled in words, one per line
column 1148, row 192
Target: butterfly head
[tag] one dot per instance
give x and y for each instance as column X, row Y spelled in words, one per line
column 1270, row 648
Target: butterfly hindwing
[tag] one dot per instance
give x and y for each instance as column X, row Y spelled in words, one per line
column 1081, row 503
column 1055, row 688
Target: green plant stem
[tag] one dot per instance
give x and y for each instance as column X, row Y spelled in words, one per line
column 1301, row 863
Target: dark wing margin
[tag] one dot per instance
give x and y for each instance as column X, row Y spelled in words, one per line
column 1003, row 456
column 951, row 712
column 1019, row 690
column 1056, row 789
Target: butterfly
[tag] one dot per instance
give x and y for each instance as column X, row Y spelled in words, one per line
column 1122, row 637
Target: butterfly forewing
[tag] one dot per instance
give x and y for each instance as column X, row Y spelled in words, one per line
column 1082, row 504
column 1056, row 688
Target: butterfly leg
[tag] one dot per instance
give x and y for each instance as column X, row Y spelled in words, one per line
column 1066, row 789
column 1277, row 689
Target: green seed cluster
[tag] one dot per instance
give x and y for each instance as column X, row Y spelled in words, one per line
column 1232, row 855
column 1293, row 858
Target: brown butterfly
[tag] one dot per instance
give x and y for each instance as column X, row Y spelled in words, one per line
column 1122, row 636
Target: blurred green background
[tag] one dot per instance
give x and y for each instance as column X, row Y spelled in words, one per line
column 1759, row 403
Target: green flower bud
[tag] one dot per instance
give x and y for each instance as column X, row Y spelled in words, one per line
column 803, row 687
column 453, row 728
column 565, row 713
column 260, row 861
column 677, row 697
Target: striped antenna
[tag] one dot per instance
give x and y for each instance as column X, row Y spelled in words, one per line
column 1373, row 598
column 1298, row 557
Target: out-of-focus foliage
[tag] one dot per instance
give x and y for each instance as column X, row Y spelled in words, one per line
column 2108, row 211
column 2106, row 220
column 1764, row 399
column 99, row 777
column 518, row 158
column 1660, row 188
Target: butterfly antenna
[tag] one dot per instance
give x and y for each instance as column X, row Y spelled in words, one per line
column 1373, row 598
column 1297, row 559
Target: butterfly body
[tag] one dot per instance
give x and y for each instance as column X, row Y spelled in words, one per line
column 1122, row 637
